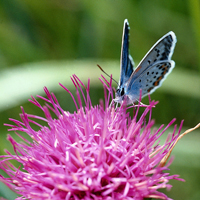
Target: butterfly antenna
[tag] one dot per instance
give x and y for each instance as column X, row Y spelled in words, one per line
column 106, row 73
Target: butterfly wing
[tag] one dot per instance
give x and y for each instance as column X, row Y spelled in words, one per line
column 150, row 79
column 126, row 62
column 161, row 50
column 153, row 69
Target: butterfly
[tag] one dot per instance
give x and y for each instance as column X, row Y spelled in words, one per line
column 150, row 72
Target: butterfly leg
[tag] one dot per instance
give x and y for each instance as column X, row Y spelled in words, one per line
column 140, row 104
column 111, row 103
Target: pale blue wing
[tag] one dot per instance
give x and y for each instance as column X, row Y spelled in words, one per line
column 126, row 62
column 161, row 50
column 150, row 79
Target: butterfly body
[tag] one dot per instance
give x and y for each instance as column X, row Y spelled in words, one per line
column 150, row 72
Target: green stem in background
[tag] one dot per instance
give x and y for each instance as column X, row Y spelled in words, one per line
column 194, row 6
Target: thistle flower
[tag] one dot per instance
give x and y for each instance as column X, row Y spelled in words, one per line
column 97, row 152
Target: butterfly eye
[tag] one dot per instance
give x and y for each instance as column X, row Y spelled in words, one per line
column 122, row 92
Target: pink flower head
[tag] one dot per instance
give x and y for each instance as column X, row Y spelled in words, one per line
column 97, row 153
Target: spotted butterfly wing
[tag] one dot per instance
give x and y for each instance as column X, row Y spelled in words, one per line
column 149, row 80
column 162, row 50
column 153, row 69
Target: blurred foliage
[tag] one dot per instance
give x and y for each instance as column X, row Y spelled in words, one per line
column 65, row 29
column 44, row 42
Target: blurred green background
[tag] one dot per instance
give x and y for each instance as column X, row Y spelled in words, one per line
column 44, row 42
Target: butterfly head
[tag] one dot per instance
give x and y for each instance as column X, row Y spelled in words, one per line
column 121, row 96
